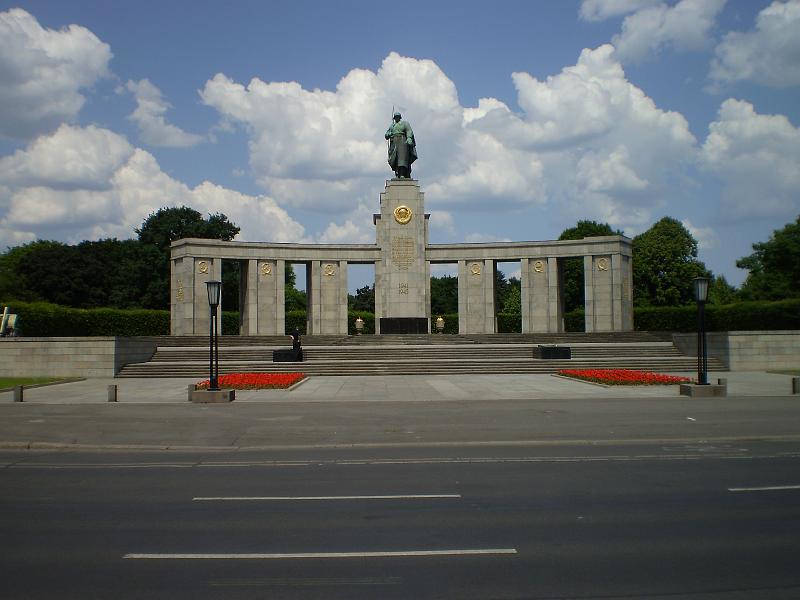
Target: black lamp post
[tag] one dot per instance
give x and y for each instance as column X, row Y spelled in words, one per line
column 701, row 294
column 214, row 292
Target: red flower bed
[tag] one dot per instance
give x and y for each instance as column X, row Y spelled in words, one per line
column 255, row 381
column 623, row 377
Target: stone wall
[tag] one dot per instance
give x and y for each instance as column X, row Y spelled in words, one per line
column 747, row 350
column 71, row 356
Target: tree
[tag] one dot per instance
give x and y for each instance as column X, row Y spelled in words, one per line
column 774, row 266
column 573, row 267
column 166, row 225
column 364, row 300
column 722, row 292
column 294, row 299
column 93, row 274
column 513, row 302
column 664, row 265
column 13, row 284
column 444, row 295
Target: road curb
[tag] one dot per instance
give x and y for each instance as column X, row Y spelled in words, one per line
column 18, row 445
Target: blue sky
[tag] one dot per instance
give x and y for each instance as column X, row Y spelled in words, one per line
column 529, row 116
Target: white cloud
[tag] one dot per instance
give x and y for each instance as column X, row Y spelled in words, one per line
column 441, row 224
column 356, row 228
column 346, row 233
column 149, row 116
column 88, row 183
column 600, row 10
column 768, row 55
column 42, row 73
column 756, row 157
column 685, row 26
column 324, row 150
column 324, row 147
column 706, row 236
column 594, row 141
column 70, row 158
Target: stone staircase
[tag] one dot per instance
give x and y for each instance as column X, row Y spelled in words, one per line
column 417, row 354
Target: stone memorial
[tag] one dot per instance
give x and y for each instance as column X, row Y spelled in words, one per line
column 402, row 257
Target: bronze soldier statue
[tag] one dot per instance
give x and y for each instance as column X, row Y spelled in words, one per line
column 402, row 147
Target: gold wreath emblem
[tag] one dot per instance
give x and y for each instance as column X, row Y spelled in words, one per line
column 538, row 266
column 402, row 214
column 602, row 264
column 329, row 269
column 266, row 269
column 475, row 268
column 202, row 266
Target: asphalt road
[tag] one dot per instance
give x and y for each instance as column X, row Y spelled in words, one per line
column 341, row 423
column 563, row 520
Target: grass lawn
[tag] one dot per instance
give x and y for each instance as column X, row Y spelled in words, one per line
column 787, row 372
column 10, row 382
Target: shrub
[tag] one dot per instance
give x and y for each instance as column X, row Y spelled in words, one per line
column 509, row 323
column 368, row 318
column 742, row 316
column 295, row 318
column 45, row 319
column 575, row 320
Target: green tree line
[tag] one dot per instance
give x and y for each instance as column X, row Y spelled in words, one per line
column 134, row 273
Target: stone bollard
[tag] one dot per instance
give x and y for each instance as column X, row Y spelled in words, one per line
column 795, row 385
column 112, row 393
column 722, row 381
column 18, row 393
column 192, row 387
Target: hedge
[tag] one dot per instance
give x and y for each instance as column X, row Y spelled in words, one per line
column 45, row 319
column 741, row 316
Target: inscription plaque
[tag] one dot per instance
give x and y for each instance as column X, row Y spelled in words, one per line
column 403, row 251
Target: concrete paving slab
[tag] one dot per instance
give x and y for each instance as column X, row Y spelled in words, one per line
column 413, row 388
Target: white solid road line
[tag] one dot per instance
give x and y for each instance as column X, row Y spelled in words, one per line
column 304, row 555
column 771, row 488
column 290, row 498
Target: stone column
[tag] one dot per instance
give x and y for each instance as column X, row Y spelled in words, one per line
column 541, row 295
column 248, row 296
column 204, row 269
column 598, row 287
column 379, row 278
column 476, row 296
column 181, row 302
column 625, row 287
column 313, row 299
column 329, row 297
column 555, row 294
column 264, row 304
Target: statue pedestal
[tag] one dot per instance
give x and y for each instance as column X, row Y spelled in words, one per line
column 402, row 276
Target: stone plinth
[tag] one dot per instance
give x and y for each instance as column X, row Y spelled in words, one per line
column 712, row 390
column 211, row 396
column 402, row 278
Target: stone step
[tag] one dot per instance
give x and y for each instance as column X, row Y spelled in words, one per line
column 438, row 353
column 419, row 339
column 404, row 367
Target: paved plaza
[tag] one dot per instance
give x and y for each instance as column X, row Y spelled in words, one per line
column 396, row 388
